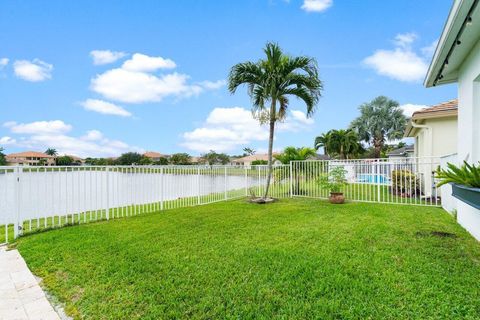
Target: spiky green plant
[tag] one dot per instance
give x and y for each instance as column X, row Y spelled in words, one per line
column 467, row 175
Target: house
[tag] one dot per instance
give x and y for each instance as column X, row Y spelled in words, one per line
column 155, row 156
column 434, row 130
column 401, row 153
column 457, row 60
column 247, row 161
column 30, row 158
column 76, row 160
column 320, row 157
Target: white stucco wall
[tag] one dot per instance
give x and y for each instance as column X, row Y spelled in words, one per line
column 449, row 202
column 443, row 141
column 440, row 139
column 469, row 130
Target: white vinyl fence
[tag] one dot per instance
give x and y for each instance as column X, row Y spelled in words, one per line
column 33, row 198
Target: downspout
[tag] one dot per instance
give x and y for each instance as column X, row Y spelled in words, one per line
column 430, row 134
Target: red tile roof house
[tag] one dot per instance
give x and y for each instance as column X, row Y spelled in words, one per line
column 30, row 158
column 247, row 161
column 155, row 156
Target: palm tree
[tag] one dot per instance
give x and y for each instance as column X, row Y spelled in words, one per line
column 51, row 152
column 295, row 154
column 271, row 81
column 3, row 161
column 322, row 142
column 344, row 142
column 379, row 120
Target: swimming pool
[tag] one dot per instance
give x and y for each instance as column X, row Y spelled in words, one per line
column 373, row 178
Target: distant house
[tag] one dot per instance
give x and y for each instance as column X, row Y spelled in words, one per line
column 401, row 153
column 320, row 157
column 30, row 158
column 76, row 160
column 154, row 156
column 247, row 161
column 434, row 130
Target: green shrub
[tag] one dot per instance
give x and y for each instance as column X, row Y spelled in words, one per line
column 405, row 183
column 335, row 180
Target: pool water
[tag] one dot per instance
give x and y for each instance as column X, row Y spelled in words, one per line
column 373, row 178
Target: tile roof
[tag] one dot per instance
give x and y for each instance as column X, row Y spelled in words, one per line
column 153, row 154
column 401, row 151
column 254, row 157
column 29, row 154
column 451, row 105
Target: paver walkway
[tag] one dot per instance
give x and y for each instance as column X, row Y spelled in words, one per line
column 20, row 295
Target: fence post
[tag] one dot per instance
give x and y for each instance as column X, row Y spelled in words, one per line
column 246, row 180
column 108, row 193
column 198, row 185
column 378, row 180
column 162, row 189
column 17, row 226
column 291, row 180
column 226, row 183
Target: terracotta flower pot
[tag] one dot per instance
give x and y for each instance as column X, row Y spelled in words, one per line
column 336, row 197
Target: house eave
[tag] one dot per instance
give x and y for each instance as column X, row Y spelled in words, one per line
column 440, row 72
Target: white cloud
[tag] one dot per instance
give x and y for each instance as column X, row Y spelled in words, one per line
column 105, row 107
column 212, row 85
column 7, row 141
column 301, row 117
column 405, row 40
column 316, row 5
column 228, row 128
column 135, row 81
column 106, row 56
column 402, row 63
column 143, row 63
column 409, row 108
column 34, row 71
column 139, row 87
column 429, row 50
column 91, row 144
column 93, row 135
column 39, row 127
column 3, row 62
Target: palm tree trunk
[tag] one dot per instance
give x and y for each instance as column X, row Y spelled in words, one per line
column 377, row 145
column 270, row 145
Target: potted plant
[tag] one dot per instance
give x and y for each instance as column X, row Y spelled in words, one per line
column 335, row 181
column 465, row 181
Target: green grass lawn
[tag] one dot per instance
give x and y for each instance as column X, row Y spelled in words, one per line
column 294, row 259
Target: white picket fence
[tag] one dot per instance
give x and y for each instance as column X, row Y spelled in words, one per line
column 33, row 198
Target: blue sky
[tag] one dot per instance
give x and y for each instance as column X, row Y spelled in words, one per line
column 100, row 78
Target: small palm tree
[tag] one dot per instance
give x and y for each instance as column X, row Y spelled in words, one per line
column 51, row 152
column 344, row 142
column 295, row 154
column 270, row 82
column 322, row 141
column 379, row 120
